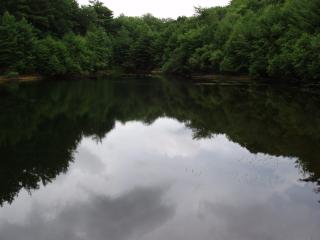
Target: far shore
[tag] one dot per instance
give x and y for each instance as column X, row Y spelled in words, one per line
column 196, row 77
column 22, row 78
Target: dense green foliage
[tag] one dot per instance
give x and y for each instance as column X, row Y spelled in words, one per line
column 262, row 38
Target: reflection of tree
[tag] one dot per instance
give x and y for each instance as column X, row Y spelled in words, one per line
column 41, row 128
column 42, row 123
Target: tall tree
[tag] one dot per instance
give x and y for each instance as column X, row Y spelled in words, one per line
column 17, row 41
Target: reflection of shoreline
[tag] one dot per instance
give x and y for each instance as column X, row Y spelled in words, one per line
column 46, row 120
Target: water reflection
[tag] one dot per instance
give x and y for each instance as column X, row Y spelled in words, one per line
column 160, row 160
column 125, row 217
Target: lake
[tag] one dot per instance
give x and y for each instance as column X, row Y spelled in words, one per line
column 156, row 158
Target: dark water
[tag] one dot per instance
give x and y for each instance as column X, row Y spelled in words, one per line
column 157, row 159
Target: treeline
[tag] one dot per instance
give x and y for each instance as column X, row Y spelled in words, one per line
column 54, row 37
column 262, row 38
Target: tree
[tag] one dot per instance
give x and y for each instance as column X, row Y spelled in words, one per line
column 17, row 40
column 78, row 60
column 143, row 53
column 104, row 15
column 99, row 45
column 265, row 38
column 55, row 16
column 51, row 57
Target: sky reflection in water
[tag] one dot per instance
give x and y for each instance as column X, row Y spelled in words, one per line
column 158, row 182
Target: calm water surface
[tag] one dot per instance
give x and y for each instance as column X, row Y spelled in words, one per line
column 157, row 159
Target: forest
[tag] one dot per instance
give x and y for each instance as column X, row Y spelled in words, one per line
column 277, row 39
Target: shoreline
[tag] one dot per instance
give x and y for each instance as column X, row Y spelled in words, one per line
column 193, row 77
column 217, row 77
column 22, row 78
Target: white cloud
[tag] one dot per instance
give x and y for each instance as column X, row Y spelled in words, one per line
column 159, row 8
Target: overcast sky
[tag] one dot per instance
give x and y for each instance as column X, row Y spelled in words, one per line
column 158, row 8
